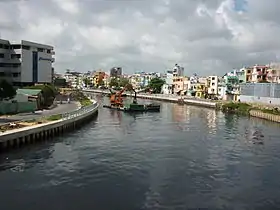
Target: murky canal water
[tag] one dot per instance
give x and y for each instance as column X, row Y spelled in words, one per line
column 184, row 157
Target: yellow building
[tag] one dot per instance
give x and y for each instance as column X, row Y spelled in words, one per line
column 180, row 85
column 200, row 90
column 97, row 78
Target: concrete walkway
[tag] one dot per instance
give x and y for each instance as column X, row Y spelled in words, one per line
column 60, row 109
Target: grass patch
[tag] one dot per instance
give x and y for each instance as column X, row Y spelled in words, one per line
column 274, row 111
column 79, row 96
column 54, row 117
column 237, row 108
column 85, row 102
column 244, row 108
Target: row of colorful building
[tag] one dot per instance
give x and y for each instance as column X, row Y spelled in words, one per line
column 259, row 83
column 256, row 83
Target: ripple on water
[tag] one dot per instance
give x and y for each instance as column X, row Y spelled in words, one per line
column 182, row 158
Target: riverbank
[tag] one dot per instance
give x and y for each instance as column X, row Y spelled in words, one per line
column 53, row 125
column 266, row 112
column 169, row 98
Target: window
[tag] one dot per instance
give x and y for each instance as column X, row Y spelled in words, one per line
column 3, row 65
column 213, row 78
column 213, row 84
column 6, row 47
column 16, row 46
column 2, row 55
column 49, row 51
column 16, row 74
column 1, row 46
column 15, row 65
column 40, row 50
column 16, row 56
column 25, row 47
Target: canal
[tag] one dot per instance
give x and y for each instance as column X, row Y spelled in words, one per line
column 182, row 158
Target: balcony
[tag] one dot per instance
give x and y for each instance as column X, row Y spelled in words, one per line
column 258, row 73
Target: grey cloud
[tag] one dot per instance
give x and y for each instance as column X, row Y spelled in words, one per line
column 203, row 44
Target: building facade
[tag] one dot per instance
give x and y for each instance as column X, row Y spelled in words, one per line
column 259, row 73
column 168, row 87
column 212, row 85
column 26, row 63
column 267, row 93
column 116, row 72
column 178, row 71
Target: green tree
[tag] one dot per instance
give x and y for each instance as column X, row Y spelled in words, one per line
column 60, row 82
column 6, row 90
column 48, row 92
column 123, row 82
column 114, row 82
column 87, row 81
column 156, row 84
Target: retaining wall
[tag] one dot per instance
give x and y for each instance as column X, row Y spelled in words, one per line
column 70, row 121
column 266, row 116
column 169, row 98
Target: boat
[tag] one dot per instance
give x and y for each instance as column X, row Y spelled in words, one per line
column 117, row 104
column 136, row 107
column 122, row 95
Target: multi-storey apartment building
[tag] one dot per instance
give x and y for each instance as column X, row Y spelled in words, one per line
column 178, row 71
column 26, row 63
column 212, row 84
column 116, row 72
column 259, row 73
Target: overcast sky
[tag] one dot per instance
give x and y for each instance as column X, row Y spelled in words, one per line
column 205, row 36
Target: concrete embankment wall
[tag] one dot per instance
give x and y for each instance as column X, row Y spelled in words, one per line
column 197, row 102
column 32, row 134
column 266, row 116
column 169, row 98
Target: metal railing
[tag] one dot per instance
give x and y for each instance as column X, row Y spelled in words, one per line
column 79, row 112
column 177, row 97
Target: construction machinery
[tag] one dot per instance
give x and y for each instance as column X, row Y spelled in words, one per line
column 116, row 98
column 117, row 103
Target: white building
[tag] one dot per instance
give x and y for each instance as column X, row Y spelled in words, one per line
column 75, row 79
column 167, row 88
column 178, row 71
column 213, row 85
column 26, row 63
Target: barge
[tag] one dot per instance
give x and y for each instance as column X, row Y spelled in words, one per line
column 136, row 107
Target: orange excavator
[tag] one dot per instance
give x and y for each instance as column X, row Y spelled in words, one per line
column 116, row 98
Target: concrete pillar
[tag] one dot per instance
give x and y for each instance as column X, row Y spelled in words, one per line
column 11, row 143
column 38, row 136
column 3, row 145
column 27, row 139
column 22, row 140
column 60, row 129
column 33, row 139
column 17, row 142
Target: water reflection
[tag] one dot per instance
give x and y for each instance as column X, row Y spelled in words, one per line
column 23, row 159
column 211, row 120
column 254, row 134
column 142, row 161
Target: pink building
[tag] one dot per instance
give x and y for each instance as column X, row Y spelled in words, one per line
column 259, row 73
column 180, row 85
